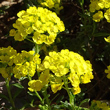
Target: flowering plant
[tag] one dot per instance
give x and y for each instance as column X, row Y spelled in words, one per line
column 47, row 69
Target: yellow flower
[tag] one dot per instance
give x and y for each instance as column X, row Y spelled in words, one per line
column 68, row 64
column 107, row 39
column 108, row 76
column 44, row 77
column 4, row 73
column 107, row 15
column 35, row 85
column 101, row 105
column 41, row 23
column 32, row 10
column 86, row 78
column 76, row 90
column 55, row 4
column 7, row 55
column 38, row 38
column 56, row 87
column 74, row 79
column 61, row 71
column 94, row 6
column 12, row 32
column 18, row 37
column 98, row 16
column 19, row 71
column 36, row 59
column 21, row 13
column 108, row 71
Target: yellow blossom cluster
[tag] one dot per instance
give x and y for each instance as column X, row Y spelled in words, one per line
column 99, row 105
column 51, row 4
column 7, row 56
column 99, row 5
column 108, row 71
column 20, row 64
column 25, row 64
column 40, row 23
column 64, row 65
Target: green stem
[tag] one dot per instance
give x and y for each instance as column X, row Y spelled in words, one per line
column 82, row 3
column 37, row 48
column 71, row 96
column 9, row 93
column 37, row 94
column 29, row 40
column 46, row 97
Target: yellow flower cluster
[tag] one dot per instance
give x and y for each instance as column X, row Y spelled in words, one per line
column 66, row 64
column 40, row 23
column 20, row 64
column 51, row 4
column 108, row 71
column 97, row 5
column 25, row 64
column 7, row 56
column 99, row 105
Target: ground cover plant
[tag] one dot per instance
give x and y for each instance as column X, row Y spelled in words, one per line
column 57, row 57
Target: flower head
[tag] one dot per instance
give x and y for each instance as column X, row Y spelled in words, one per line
column 40, row 23
column 98, row 16
column 69, row 65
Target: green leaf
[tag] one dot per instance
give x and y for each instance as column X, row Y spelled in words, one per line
column 17, row 93
column 32, row 94
column 101, row 34
column 81, row 108
column 59, row 99
column 18, row 85
column 84, row 101
column 22, row 78
column 4, row 96
column 65, row 104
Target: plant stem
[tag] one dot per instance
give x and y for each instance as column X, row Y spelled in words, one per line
column 9, row 93
column 37, row 94
column 46, row 97
column 37, row 48
column 71, row 96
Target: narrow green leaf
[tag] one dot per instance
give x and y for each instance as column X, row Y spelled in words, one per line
column 18, row 85
column 84, row 101
column 17, row 93
column 4, row 96
column 32, row 94
column 101, row 34
column 22, row 78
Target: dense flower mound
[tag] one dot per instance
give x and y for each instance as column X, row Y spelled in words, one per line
column 7, row 56
column 20, row 64
column 99, row 5
column 25, row 64
column 40, row 23
column 55, row 4
column 65, row 67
